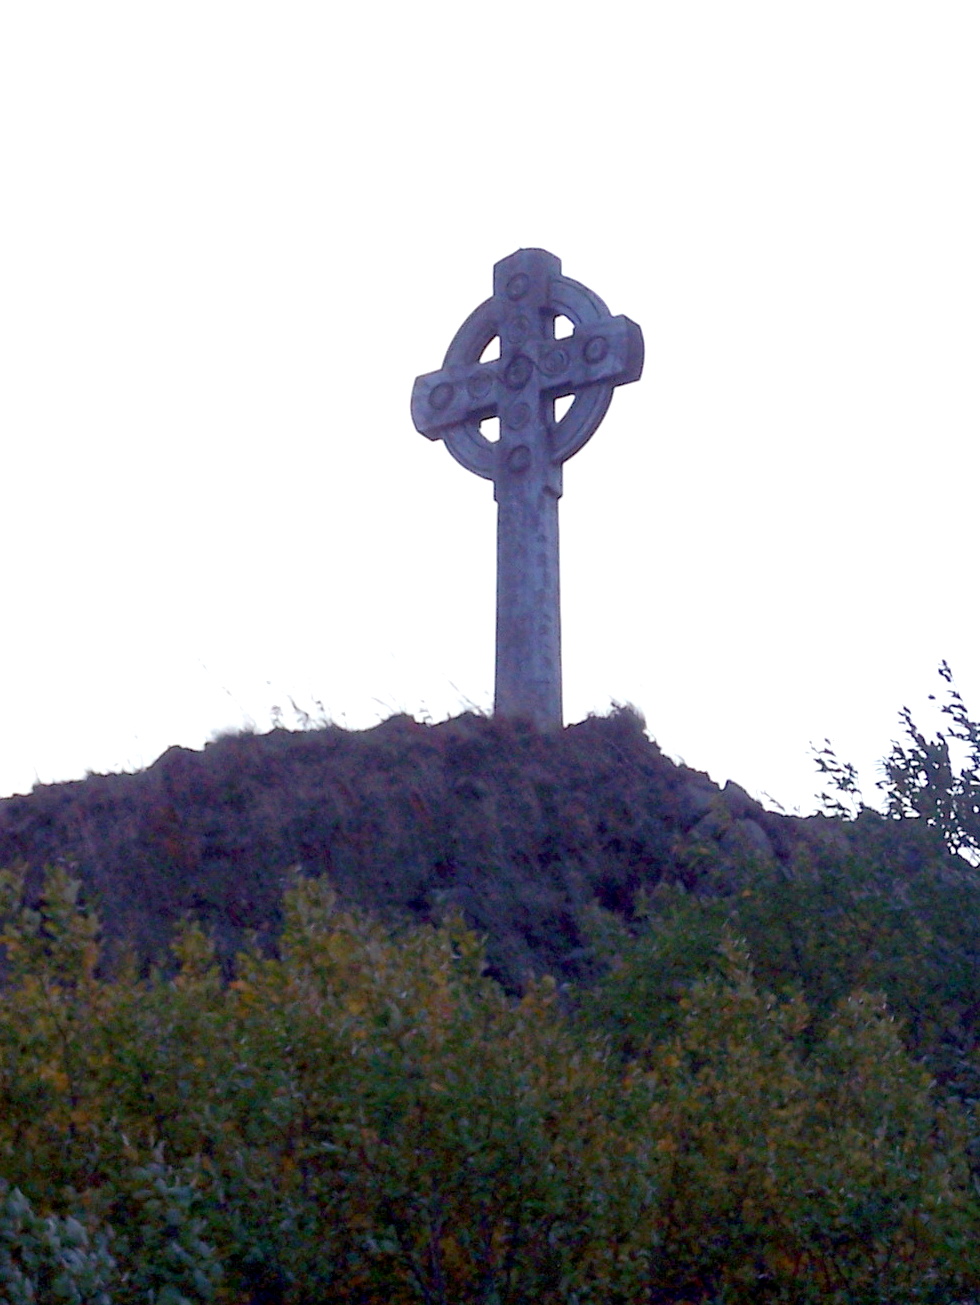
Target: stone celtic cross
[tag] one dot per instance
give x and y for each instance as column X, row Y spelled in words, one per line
column 525, row 463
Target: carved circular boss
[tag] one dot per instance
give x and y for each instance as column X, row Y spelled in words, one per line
column 534, row 369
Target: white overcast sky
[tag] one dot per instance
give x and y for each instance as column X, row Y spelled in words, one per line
column 231, row 235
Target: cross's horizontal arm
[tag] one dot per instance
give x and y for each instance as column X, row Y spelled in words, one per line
column 451, row 395
column 609, row 351
column 602, row 351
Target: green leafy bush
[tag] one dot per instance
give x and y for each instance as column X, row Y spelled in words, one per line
column 366, row 1117
column 922, row 780
column 49, row 1259
column 800, row 1168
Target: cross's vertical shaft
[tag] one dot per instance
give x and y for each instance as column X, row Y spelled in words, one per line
column 528, row 672
column 527, row 487
column 525, row 464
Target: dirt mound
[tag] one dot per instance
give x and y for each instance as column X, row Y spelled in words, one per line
column 517, row 829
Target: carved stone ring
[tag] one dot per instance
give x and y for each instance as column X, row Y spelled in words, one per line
column 533, row 370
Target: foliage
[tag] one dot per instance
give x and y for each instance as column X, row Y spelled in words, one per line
column 823, row 932
column 50, row 1259
column 367, row 1117
column 922, row 779
column 799, row 1170
column 845, row 800
column 889, row 904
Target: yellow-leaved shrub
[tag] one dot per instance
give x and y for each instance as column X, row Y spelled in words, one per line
column 366, row 1117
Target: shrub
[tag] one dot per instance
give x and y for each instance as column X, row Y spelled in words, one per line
column 366, row 1117
column 49, row 1259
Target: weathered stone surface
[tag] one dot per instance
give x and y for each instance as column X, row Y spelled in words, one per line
column 754, row 838
column 525, row 464
column 695, row 799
